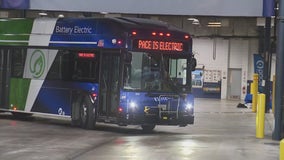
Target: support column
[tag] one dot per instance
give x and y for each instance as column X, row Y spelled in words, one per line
column 267, row 62
column 279, row 91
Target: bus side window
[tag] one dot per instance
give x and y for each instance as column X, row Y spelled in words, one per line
column 66, row 65
column 55, row 69
column 60, row 67
column 83, row 68
column 18, row 62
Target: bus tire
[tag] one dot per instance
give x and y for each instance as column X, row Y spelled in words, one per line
column 75, row 112
column 148, row 127
column 87, row 113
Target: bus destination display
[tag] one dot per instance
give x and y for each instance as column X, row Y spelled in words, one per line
column 158, row 45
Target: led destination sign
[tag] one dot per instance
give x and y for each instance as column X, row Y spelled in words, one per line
column 158, row 45
column 86, row 55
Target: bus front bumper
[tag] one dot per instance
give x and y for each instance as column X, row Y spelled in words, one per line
column 157, row 118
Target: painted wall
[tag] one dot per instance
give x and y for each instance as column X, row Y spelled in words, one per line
column 230, row 54
column 250, row 8
column 212, row 54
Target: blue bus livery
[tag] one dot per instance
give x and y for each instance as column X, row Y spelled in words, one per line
column 125, row 71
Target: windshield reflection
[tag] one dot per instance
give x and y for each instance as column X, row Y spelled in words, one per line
column 154, row 72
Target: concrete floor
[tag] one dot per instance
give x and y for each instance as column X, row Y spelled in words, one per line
column 221, row 132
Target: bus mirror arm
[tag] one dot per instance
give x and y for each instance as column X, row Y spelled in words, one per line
column 128, row 57
column 193, row 63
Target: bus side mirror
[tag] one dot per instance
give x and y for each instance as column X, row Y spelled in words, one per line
column 193, row 64
column 128, row 58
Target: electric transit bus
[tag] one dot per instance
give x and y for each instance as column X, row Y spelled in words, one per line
column 125, row 71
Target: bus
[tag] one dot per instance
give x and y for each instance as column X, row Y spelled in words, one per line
column 124, row 71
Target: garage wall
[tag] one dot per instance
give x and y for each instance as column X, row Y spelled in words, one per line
column 203, row 49
column 230, row 54
column 213, row 54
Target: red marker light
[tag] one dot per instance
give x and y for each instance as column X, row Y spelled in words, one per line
column 186, row 36
column 154, row 33
column 119, row 42
column 120, row 109
column 86, row 55
column 168, row 34
column 161, row 34
column 134, row 33
column 94, row 95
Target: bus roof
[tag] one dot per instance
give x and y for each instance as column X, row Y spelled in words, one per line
column 146, row 23
column 81, row 32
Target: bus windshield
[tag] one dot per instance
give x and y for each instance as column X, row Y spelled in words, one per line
column 155, row 72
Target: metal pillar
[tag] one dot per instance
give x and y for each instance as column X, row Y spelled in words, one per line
column 267, row 62
column 279, row 91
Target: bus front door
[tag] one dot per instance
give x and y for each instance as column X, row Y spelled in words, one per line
column 109, row 85
column 4, row 78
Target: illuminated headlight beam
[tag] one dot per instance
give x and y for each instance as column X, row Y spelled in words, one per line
column 133, row 105
column 188, row 106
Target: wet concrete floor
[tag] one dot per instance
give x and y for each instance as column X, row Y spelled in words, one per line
column 221, row 132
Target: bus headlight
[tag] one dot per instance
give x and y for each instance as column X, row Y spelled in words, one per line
column 132, row 105
column 188, row 106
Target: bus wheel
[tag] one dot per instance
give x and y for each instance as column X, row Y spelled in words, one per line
column 148, row 127
column 75, row 112
column 87, row 113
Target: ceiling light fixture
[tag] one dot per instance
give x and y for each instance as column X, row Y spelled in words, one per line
column 61, row 16
column 42, row 13
column 210, row 25
column 194, row 21
column 214, row 24
column 104, row 12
